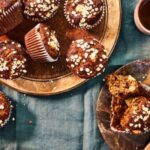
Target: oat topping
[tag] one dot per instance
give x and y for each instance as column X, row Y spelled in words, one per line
column 5, row 109
column 133, row 119
column 12, row 60
column 52, row 40
column 13, row 119
column 84, row 13
column 140, row 119
column 85, row 57
column 1, row 106
column 40, row 10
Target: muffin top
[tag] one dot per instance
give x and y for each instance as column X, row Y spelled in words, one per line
column 49, row 40
column 122, row 86
column 5, row 4
column 12, row 60
column 86, row 57
column 40, row 10
column 136, row 117
column 84, row 13
column 5, row 109
column 131, row 115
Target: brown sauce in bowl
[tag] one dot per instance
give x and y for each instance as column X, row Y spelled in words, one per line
column 144, row 14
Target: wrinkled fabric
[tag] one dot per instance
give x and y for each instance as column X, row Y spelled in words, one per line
column 68, row 121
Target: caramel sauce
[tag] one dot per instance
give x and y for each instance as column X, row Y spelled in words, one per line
column 144, row 14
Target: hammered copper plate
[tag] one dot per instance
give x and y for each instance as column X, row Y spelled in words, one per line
column 39, row 77
column 141, row 71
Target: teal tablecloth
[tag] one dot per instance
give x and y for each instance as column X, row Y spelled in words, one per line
column 67, row 121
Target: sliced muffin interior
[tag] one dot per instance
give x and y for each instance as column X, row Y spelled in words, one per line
column 130, row 108
column 121, row 86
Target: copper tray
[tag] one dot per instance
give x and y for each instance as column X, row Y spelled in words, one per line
column 55, row 78
column 141, row 71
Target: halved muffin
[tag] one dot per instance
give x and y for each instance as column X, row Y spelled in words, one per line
column 130, row 106
column 131, row 116
column 121, row 86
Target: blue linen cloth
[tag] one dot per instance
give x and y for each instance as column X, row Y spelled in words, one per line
column 68, row 121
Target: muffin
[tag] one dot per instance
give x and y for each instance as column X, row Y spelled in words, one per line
column 130, row 105
column 86, row 57
column 12, row 60
column 122, row 86
column 10, row 15
column 40, row 10
column 132, row 116
column 42, row 44
column 85, row 14
column 5, row 109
